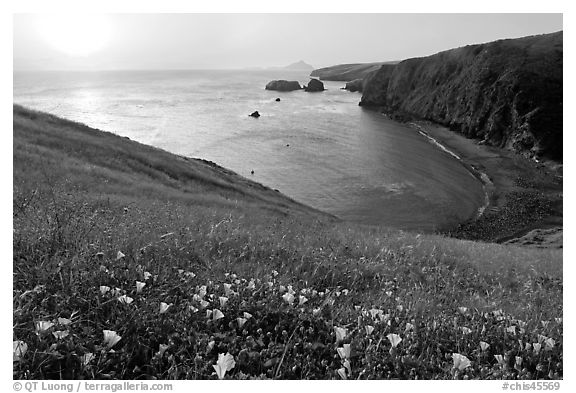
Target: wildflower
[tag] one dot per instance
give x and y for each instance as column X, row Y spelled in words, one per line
column 462, row 310
column 241, row 322
column 202, row 291
column 376, row 313
column 228, row 289
column 140, row 286
column 357, row 308
column 484, row 345
column 111, row 338
column 104, row 289
column 545, row 324
column 518, row 361
column 316, row 311
column 511, row 329
column 409, row 327
column 86, row 358
column 394, row 339
column 499, row 359
column 345, row 292
column 558, row 320
column 223, row 301
column 537, row 347
column 209, row 314
column 190, row 274
column 460, row 361
column 549, row 344
column 528, row 347
column 180, row 271
column 42, row 326
column 19, row 349
column 119, row 255
column 399, row 307
column 290, row 290
column 161, row 349
column 64, row 321
column 274, row 273
column 193, row 309
column 389, row 293
column 210, row 346
column 344, row 351
column 542, row 338
column 342, row 373
column 340, row 333
column 247, row 315
column 466, row 330
column 346, row 364
column 60, row 334
column 115, row 291
column 217, row 314
column 251, row 285
column 204, row 303
column 282, row 288
column 224, row 363
column 164, row 307
column 302, row 300
column 125, row 299
column 288, row 298
column 147, row 275
column 369, row 329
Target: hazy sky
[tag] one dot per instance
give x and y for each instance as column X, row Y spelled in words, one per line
column 204, row 41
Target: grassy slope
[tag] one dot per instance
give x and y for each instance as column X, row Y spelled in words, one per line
column 81, row 195
column 347, row 72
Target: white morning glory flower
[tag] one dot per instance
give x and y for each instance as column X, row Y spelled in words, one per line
column 224, row 363
column 140, row 286
column 111, row 338
column 42, row 326
column 104, row 289
column 460, row 361
column 340, row 333
column 394, row 339
column 19, row 349
column 125, row 299
column 164, row 307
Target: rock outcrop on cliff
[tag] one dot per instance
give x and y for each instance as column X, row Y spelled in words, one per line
column 283, row 85
column 355, row 85
column 314, row 86
column 507, row 93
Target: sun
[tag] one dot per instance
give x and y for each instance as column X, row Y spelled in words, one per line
column 73, row 34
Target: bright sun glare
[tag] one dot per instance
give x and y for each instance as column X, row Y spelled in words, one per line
column 75, row 35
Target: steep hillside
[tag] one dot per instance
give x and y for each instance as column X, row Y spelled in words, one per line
column 507, row 93
column 347, row 72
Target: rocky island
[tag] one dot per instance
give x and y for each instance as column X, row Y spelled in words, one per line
column 283, row 85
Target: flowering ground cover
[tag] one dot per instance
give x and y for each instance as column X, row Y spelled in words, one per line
column 162, row 283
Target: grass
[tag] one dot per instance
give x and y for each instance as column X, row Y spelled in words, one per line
column 208, row 243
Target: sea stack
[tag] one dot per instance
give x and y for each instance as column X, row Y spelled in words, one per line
column 283, row 85
column 255, row 114
column 314, row 86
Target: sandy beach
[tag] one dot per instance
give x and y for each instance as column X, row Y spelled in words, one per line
column 524, row 197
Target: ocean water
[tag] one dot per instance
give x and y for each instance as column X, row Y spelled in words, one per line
column 321, row 149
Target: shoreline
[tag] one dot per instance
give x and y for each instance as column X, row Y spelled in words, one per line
column 487, row 184
column 523, row 197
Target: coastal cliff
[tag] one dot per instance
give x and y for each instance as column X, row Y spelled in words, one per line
column 507, row 93
column 347, row 72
